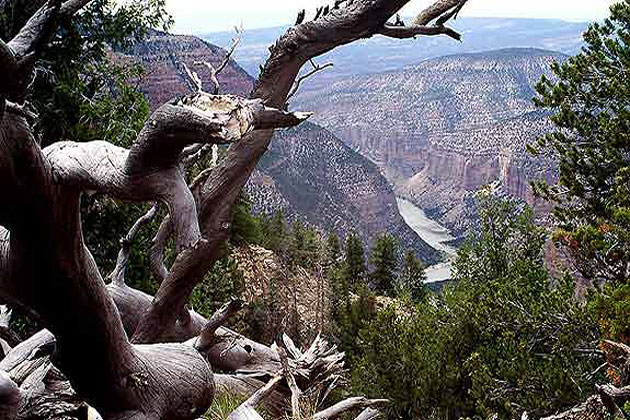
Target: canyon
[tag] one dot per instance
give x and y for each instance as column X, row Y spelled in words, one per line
column 430, row 133
column 308, row 173
column 441, row 129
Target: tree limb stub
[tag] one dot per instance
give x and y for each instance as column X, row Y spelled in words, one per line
column 440, row 10
column 207, row 337
column 403, row 32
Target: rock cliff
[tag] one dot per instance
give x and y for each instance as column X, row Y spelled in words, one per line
column 309, row 172
column 162, row 56
column 443, row 128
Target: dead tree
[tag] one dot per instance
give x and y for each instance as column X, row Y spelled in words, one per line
column 127, row 354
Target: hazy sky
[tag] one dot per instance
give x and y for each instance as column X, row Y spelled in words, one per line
column 194, row 16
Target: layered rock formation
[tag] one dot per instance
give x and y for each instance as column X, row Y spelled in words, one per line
column 445, row 127
column 308, row 173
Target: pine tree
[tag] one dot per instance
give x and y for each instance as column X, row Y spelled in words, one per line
column 304, row 245
column 274, row 232
column 412, row 277
column 384, row 259
column 245, row 227
column 590, row 104
column 354, row 264
column 333, row 249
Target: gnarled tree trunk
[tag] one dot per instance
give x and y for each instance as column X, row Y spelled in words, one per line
column 165, row 371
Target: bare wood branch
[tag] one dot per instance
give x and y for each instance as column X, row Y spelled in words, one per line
column 158, row 245
column 193, row 77
column 207, row 337
column 612, row 397
column 437, row 10
column 214, row 72
column 247, row 410
column 295, row 390
column 118, row 273
column 403, row 32
column 316, row 69
column 41, row 25
column 370, row 414
column 10, row 397
column 346, row 405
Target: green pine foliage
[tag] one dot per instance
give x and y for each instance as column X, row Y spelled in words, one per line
column 384, row 260
column 246, row 228
column 304, row 245
column 412, row 278
column 224, row 281
column 506, row 338
column 589, row 99
column 275, row 232
column 354, row 264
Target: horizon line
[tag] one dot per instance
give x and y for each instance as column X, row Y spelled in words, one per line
column 576, row 21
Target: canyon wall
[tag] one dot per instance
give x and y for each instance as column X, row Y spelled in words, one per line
column 442, row 128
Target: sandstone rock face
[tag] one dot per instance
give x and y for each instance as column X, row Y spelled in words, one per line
column 302, row 298
column 441, row 129
column 308, row 172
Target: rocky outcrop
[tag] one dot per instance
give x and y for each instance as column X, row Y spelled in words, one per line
column 441, row 129
column 298, row 301
column 308, row 173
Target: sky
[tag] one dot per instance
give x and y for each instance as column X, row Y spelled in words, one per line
column 202, row 16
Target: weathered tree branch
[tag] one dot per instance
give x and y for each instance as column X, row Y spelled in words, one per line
column 368, row 414
column 301, row 43
column 247, row 410
column 118, row 273
column 403, row 32
column 346, row 405
column 316, row 69
column 295, row 390
column 207, row 338
column 442, row 10
column 214, row 72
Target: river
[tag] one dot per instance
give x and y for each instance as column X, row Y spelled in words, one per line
column 436, row 235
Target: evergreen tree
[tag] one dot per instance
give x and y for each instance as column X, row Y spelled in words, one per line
column 275, row 232
column 333, row 249
column 506, row 338
column 354, row 262
column 412, row 277
column 304, row 245
column 80, row 93
column 384, row 260
column 245, row 226
column 589, row 100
